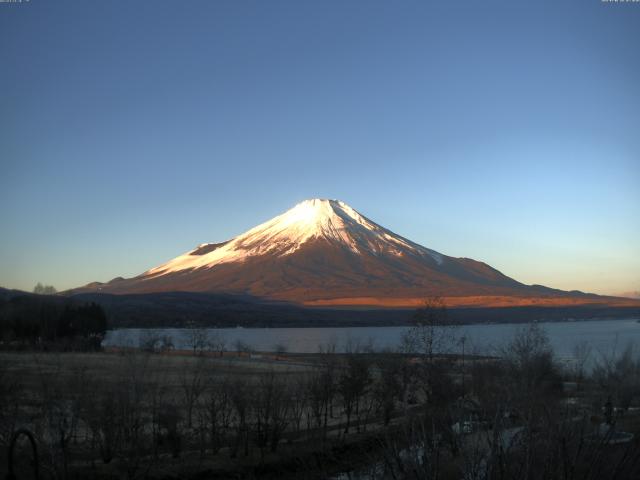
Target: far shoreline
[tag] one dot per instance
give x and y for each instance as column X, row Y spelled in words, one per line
column 347, row 318
column 635, row 318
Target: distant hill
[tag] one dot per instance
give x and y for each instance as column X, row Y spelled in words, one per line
column 179, row 309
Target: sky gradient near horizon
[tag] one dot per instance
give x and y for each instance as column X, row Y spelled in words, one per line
column 503, row 131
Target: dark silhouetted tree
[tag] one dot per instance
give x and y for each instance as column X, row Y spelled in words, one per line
column 41, row 289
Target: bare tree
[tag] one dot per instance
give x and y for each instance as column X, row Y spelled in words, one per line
column 168, row 423
column 581, row 354
column 10, row 400
column 58, row 417
column 390, row 388
column 150, row 340
column 433, row 332
column 353, row 382
column 241, row 400
column 271, row 406
column 619, row 375
column 193, row 385
column 280, row 349
column 166, row 343
column 529, row 359
column 322, row 389
column 299, row 400
column 241, row 346
column 218, row 411
column 130, row 396
column 100, row 417
column 197, row 339
column 217, row 343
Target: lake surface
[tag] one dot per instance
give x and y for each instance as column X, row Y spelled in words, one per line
column 605, row 337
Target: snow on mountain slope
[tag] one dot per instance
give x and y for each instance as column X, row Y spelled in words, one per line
column 330, row 220
column 320, row 250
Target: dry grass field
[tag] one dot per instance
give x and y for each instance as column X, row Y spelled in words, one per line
column 141, row 415
column 136, row 415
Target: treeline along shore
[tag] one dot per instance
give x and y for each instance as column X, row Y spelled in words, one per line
column 50, row 322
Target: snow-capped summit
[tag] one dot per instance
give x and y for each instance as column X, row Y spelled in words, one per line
column 320, row 251
column 312, row 220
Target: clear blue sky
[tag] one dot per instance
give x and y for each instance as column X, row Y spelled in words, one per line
column 508, row 132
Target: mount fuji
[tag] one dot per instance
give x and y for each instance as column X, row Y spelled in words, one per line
column 323, row 252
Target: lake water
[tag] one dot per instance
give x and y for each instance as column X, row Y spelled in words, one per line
column 605, row 337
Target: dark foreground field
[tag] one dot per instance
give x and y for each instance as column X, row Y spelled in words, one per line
column 356, row 415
